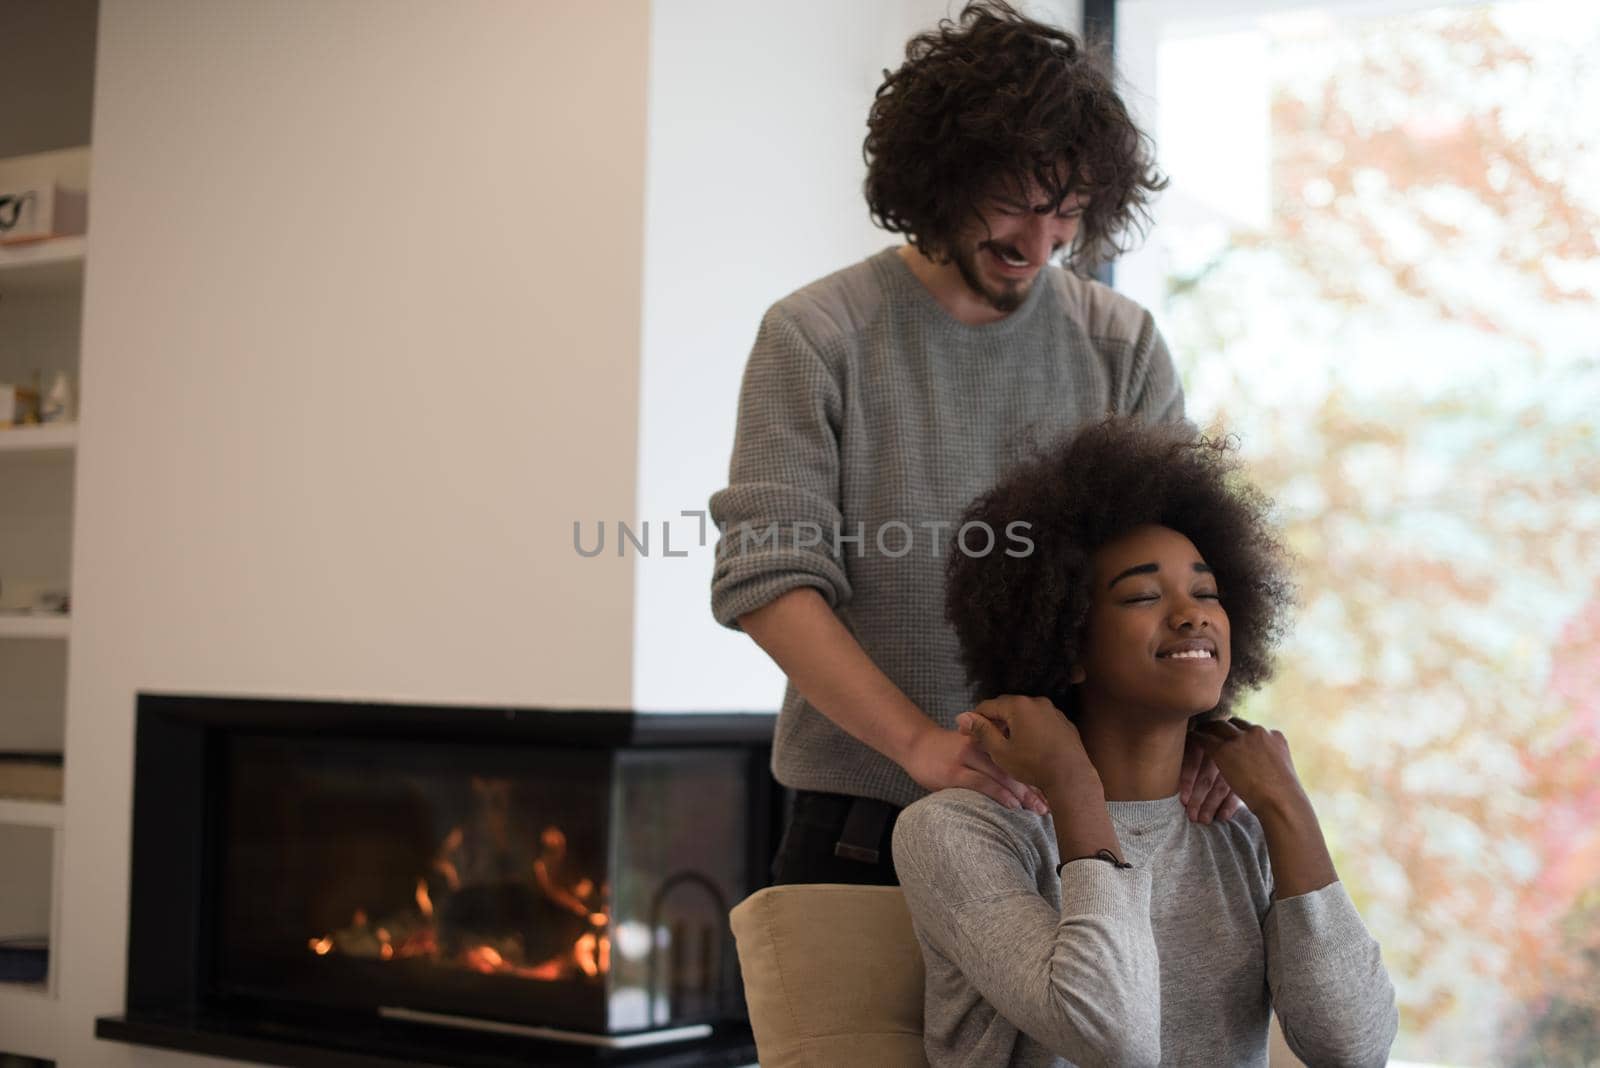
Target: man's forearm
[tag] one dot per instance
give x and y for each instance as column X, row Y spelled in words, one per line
column 832, row 672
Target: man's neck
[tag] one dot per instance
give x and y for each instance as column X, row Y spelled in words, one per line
column 1136, row 763
column 944, row 281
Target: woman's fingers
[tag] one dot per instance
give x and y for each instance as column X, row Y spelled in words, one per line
column 983, row 731
column 990, row 711
column 1220, row 729
column 987, row 736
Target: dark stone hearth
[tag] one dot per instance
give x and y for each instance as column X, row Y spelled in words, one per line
column 318, row 882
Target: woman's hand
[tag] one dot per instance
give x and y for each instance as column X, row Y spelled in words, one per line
column 943, row 758
column 1032, row 741
column 1203, row 788
column 1255, row 761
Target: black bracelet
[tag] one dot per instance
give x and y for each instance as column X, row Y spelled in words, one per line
column 1104, row 854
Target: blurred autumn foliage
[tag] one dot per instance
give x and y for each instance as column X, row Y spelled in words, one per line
column 1410, row 353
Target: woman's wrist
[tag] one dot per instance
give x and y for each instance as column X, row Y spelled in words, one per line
column 1295, row 844
column 1074, row 784
column 1289, row 809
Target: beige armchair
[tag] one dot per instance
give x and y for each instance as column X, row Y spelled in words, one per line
column 833, row 975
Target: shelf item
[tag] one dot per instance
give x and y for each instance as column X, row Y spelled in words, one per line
column 43, row 437
column 41, row 211
column 25, row 960
column 35, row 625
column 31, row 777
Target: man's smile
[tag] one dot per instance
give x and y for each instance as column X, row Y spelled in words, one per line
column 1009, row 260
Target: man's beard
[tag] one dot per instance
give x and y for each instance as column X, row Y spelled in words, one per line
column 1006, row 300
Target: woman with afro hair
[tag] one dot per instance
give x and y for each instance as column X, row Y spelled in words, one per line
column 1145, row 599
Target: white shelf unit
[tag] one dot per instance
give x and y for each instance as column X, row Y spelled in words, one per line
column 29, row 1020
column 52, row 250
column 25, row 813
column 41, row 292
column 35, row 626
column 28, row 1010
column 53, row 437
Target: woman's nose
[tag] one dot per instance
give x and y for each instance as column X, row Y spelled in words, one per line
column 1187, row 614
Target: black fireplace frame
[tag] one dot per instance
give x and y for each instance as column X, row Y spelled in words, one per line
column 171, row 999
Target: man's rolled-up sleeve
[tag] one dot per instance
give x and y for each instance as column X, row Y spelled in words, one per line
column 779, row 514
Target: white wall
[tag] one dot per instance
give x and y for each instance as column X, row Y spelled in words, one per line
column 360, row 342
column 757, row 114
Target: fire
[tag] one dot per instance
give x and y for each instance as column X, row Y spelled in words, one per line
column 584, row 953
column 483, row 959
column 500, row 947
column 424, row 901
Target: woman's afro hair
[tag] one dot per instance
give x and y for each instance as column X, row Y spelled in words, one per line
column 1020, row 618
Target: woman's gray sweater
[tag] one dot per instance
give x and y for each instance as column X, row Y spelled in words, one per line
column 1181, row 959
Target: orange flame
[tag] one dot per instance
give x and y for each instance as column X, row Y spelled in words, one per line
column 584, row 953
column 590, row 955
column 484, row 959
column 424, row 901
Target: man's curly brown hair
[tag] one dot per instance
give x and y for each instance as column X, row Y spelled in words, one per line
column 989, row 101
column 1021, row 619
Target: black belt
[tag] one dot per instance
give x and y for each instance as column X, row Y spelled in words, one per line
column 863, row 829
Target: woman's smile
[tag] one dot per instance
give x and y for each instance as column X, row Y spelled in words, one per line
column 1190, row 651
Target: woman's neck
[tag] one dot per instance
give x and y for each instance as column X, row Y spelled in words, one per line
column 1137, row 761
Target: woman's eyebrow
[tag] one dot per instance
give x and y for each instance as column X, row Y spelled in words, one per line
column 1137, row 569
column 1200, row 568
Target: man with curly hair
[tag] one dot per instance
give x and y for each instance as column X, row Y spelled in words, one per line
column 879, row 399
column 1116, row 931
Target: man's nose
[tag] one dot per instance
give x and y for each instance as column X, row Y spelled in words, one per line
column 1044, row 234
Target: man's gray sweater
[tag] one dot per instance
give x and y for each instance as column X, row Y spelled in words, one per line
column 868, row 412
column 1180, row 960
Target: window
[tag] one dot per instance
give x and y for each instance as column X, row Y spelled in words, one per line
column 1377, row 265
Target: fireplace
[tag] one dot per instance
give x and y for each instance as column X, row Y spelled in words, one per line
column 408, row 884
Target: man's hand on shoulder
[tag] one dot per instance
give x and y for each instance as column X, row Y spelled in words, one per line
column 941, row 758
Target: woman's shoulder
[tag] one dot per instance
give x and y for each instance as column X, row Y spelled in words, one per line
column 958, row 820
column 960, row 806
column 1243, row 837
